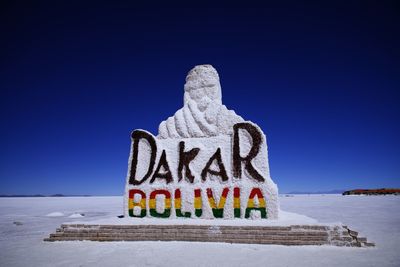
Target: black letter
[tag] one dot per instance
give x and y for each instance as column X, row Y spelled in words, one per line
column 184, row 159
column 237, row 159
column 221, row 172
column 162, row 163
column 136, row 136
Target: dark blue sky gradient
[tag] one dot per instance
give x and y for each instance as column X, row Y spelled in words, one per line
column 322, row 80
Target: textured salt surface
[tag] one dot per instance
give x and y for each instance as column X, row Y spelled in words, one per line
column 55, row 214
column 286, row 218
column 76, row 215
column 376, row 217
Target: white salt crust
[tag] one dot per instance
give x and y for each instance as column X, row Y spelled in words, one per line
column 204, row 123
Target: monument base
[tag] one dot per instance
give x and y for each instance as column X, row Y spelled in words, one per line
column 293, row 235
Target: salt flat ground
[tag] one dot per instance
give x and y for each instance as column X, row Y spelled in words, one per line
column 376, row 217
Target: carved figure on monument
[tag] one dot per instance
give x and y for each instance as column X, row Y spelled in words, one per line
column 203, row 113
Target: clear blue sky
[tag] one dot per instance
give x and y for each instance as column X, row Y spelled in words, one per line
column 322, row 80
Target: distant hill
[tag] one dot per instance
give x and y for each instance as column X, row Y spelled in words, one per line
column 380, row 191
column 39, row 195
column 22, row 195
column 337, row 191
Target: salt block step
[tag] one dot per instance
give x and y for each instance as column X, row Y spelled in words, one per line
column 294, row 235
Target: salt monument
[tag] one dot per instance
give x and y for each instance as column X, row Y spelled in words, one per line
column 206, row 161
column 206, row 175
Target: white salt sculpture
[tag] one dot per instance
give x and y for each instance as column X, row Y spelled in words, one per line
column 203, row 114
column 203, row 148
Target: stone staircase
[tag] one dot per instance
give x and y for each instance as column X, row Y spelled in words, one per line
column 293, row 235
